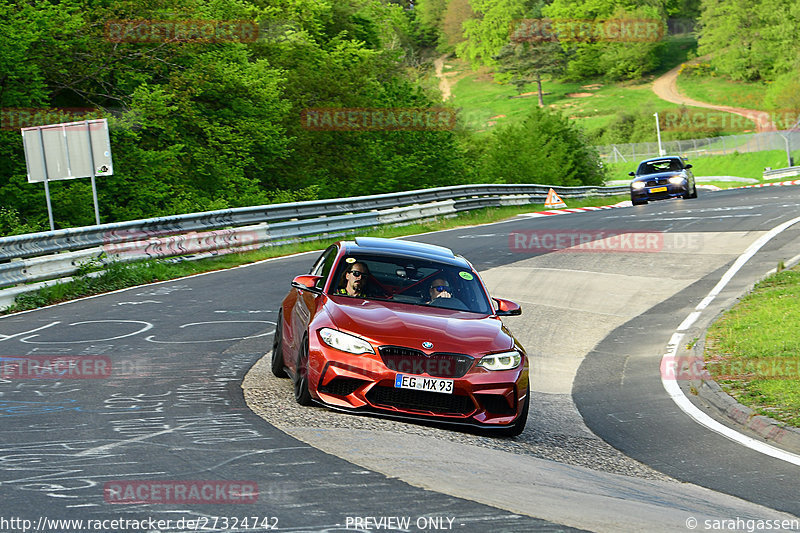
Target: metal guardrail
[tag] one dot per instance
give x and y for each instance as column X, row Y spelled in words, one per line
column 781, row 173
column 54, row 254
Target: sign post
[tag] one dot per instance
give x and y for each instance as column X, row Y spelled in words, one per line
column 658, row 133
column 68, row 151
column 94, row 186
column 46, row 185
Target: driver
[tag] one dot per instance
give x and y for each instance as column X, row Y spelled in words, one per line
column 356, row 280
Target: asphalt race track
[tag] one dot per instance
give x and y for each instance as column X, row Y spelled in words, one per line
column 160, row 406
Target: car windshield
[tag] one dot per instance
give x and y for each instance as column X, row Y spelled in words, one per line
column 414, row 282
column 662, row 165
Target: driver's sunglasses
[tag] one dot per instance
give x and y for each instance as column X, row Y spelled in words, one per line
column 357, row 273
column 441, row 288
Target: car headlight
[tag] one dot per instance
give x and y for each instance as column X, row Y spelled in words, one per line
column 345, row 342
column 501, row 361
column 636, row 185
column 677, row 180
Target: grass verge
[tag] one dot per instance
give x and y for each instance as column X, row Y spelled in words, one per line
column 721, row 91
column 753, row 351
column 121, row 275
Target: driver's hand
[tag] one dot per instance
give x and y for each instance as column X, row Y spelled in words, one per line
column 444, row 294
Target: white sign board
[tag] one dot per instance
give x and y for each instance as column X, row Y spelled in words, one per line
column 67, row 151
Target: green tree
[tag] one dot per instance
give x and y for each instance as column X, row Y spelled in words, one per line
column 456, row 15
column 194, row 125
column 488, row 32
column 430, row 15
column 35, row 37
column 525, row 60
column 544, row 148
column 611, row 39
column 339, row 163
column 751, row 40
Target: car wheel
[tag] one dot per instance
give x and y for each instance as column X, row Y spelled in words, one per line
column 694, row 192
column 518, row 425
column 278, row 368
column 301, row 392
column 638, row 202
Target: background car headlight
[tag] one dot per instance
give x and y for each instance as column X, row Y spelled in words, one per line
column 345, row 342
column 636, row 185
column 501, row 361
column 677, row 180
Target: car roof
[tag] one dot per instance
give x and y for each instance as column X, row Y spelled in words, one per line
column 399, row 247
column 662, row 158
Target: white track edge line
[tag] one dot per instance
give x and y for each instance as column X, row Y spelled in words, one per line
column 676, row 393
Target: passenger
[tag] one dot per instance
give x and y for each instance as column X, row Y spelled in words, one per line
column 355, row 280
column 439, row 288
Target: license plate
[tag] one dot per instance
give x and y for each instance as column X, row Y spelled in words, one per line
column 404, row 381
column 658, row 189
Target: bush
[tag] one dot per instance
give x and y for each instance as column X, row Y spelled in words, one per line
column 10, row 223
column 544, row 148
column 783, row 97
column 640, row 126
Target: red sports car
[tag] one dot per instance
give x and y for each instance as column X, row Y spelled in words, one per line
column 402, row 329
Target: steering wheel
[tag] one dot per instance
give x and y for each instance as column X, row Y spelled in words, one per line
column 449, row 303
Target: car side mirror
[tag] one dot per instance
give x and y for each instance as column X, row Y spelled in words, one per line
column 307, row 283
column 631, row 174
column 507, row 307
column 688, row 166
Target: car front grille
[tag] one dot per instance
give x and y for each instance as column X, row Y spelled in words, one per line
column 657, row 181
column 424, row 401
column 411, row 361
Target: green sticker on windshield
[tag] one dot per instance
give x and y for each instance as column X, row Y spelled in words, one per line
column 466, row 275
column 350, row 260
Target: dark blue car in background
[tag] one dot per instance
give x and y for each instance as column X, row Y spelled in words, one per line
column 660, row 178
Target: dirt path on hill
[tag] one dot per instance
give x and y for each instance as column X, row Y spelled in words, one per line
column 666, row 88
column 444, row 83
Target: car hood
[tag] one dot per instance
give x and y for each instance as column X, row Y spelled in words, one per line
column 388, row 323
column 659, row 175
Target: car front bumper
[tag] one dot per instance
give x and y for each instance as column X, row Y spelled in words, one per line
column 660, row 192
column 364, row 383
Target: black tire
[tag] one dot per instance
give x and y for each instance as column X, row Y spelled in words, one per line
column 694, row 192
column 278, row 368
column 518, row 426
column 638, row 202
column 301, row 392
